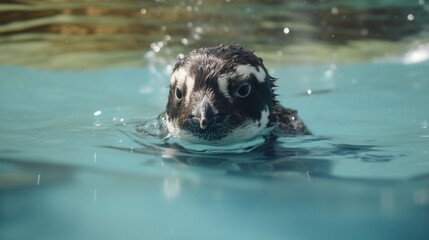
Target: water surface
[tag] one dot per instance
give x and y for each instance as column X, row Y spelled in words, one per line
column 364, row 172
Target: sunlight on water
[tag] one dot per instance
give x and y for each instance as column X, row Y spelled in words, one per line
column 92, row 34
column 420, row 54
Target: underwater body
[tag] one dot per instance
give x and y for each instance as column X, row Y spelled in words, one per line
column 74, row 163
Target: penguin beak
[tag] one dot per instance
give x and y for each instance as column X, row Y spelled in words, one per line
column 205, row 113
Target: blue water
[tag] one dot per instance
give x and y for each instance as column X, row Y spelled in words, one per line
column 69, row 169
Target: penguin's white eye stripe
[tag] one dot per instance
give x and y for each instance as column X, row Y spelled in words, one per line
column 223, row 85
column 241, row 73
column 178, row 76
column 181, row 78
column 245, row 70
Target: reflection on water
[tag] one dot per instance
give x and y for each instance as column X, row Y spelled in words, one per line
column 90, row 205
column 314, row 156
column 90, row 34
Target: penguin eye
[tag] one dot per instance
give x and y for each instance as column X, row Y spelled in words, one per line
column 179, row 94
column 244, row 90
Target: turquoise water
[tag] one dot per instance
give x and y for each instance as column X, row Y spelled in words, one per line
column 69, row 169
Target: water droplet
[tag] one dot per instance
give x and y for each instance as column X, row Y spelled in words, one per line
column 196, row 36
column 97, row 113
column 410, row 17
column 171, row 187
column 185, row 41
column 330, row 72
column 169, row 69
column 155, row 47
column 334, row 10
column 309, row 91
column 198, row 29
column 286, row 30
column 143, row 11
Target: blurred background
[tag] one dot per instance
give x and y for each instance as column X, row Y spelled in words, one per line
column 92, row 34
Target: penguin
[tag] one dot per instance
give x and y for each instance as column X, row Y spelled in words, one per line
column 223, row 95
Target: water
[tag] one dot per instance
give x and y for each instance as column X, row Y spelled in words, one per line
column 362, row 175
column 72, row 165
column 53, row 34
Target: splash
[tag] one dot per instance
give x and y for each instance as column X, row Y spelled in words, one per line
column 417, row 55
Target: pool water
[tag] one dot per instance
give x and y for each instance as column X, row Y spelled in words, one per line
column 69, row 170
column 78, row 78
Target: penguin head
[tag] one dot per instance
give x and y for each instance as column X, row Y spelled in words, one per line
column 219, row 95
